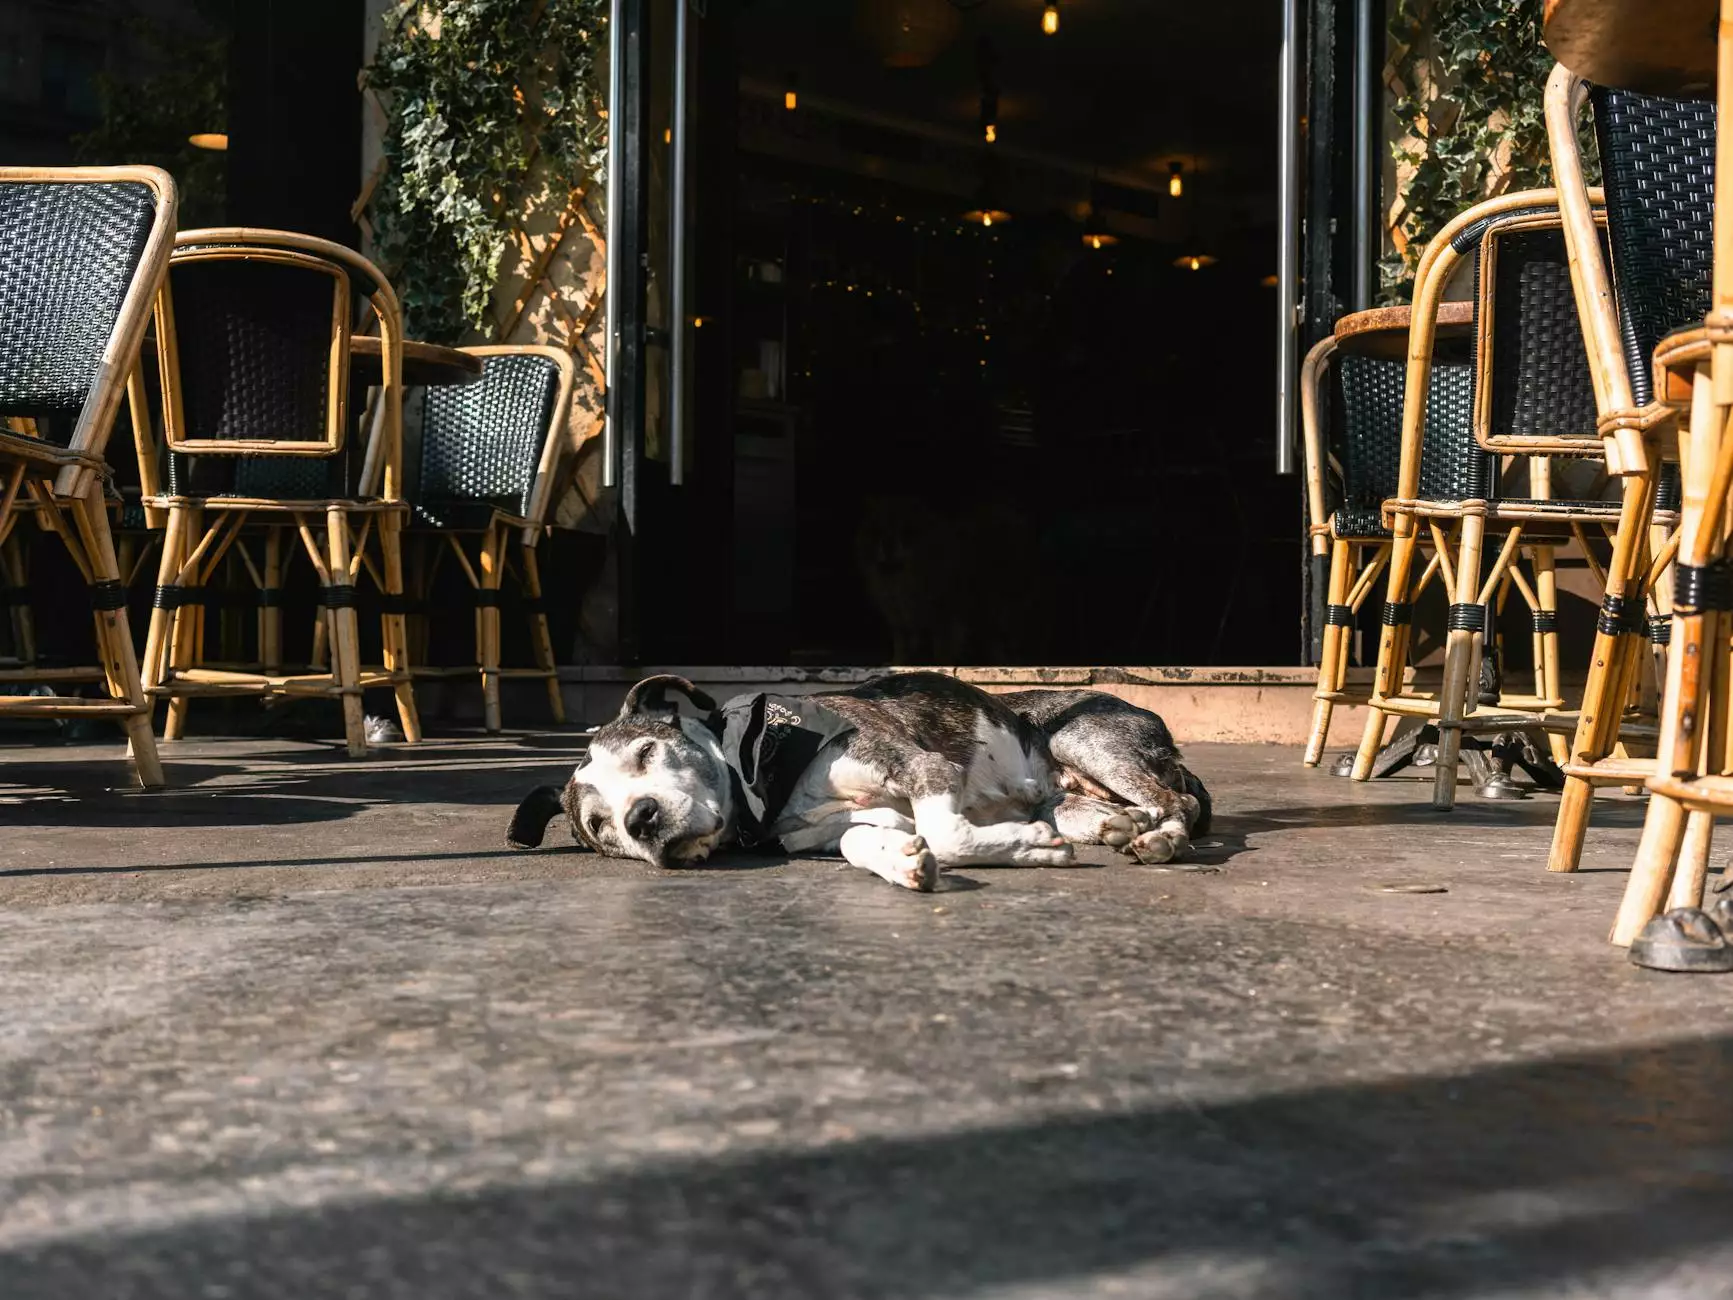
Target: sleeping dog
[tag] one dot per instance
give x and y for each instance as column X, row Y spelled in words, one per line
column 906, row 776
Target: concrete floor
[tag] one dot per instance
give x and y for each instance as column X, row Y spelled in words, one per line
column 304, row 1028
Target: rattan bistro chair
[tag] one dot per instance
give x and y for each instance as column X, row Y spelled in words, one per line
column 1364, row 404
column 1534, row 399
column 1657, row 162
column 82, row 253
column 490, row 455
column 253, row 330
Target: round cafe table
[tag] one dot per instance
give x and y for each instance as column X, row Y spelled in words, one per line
column 1382, row 332
column 424, row 364
column 1657, row 47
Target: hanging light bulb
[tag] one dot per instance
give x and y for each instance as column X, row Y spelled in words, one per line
column 1193, row 261
column 1050, row 19
column 1175, row 180
column 992, row 132
column 790, row 100
column 1096, row 235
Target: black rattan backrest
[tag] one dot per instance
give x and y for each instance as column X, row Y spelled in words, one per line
column 1452, row 465
column 1538, row 383
column 68, row 253
column 482, row 442
column 1658, row 168
column 254, row 339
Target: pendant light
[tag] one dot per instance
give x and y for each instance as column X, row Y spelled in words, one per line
column 1175, row 180
column 1096, row 235
column 1050, row 20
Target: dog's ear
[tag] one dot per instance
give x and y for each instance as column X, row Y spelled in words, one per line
column 530, row 822
column 651, row 696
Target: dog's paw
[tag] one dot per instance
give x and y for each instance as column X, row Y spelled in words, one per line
column 1119, row 830
column 1037, row 835
column 919, row 870
column 1158, row 848
column 1059, row 855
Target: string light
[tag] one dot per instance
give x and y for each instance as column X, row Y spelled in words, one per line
column 1194, row 261
column 1050, row 19
column 1175, row 180
column 790, row 99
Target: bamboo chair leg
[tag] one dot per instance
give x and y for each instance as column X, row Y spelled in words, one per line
column 344, row 631
column 394, row 631
column 198, row 611
column 183, row 649
column 1392, row 648
column 1603, row 699
column 542, row 639
column 160, row 634
column 1546, row 593
column 15, row 573
column 1460, row 662
column 114, row 636
column 1664, row 821
column 270, row 606
column 418, row 585
column 492, row 555
column 1340, row 573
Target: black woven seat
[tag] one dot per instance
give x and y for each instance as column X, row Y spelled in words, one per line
column 481, row 443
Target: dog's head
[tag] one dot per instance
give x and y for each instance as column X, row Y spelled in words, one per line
column 653, row 786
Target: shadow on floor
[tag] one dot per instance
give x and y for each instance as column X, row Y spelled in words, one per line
column 1518, row 1177
column 285, row 787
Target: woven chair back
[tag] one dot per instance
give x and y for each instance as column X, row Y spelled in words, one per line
column 1658, row 170
column 481, row 443
column 259, row 345
column 68, row 254
column 1533, row 380
column 1452, row 465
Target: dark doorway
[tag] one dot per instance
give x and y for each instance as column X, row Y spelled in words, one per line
column 981, row 404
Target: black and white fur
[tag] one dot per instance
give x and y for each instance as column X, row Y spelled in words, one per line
column 937, row 774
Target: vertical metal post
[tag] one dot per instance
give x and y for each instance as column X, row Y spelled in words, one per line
column 1288, row 254
column 680, row 314
column 628, row 293
column 1366, row 139
column 610, row 344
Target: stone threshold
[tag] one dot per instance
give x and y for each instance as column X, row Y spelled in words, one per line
column 1234, row 705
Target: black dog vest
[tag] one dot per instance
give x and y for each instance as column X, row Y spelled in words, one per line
column 769, row 740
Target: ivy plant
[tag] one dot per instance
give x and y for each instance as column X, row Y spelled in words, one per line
column 1469, row 78
column 491, row 107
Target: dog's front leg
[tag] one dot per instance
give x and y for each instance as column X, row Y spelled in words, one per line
column 897, row 855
